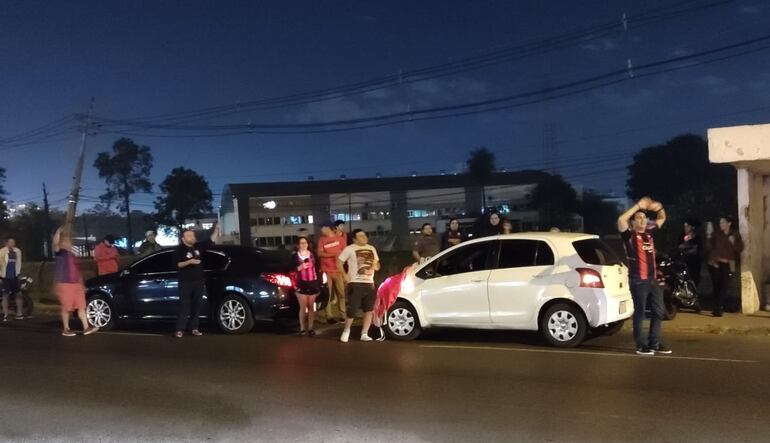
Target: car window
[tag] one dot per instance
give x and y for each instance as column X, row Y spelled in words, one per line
column 544, row 255
column 469, row 258
column 517, row 253
column 593, row 251
column 524, row 253
column 154, row 264
column 215, row 261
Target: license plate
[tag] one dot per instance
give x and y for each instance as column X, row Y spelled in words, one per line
column 622, row 308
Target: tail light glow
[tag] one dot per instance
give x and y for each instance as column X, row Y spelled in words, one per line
column 281, row 280
column 590, row 278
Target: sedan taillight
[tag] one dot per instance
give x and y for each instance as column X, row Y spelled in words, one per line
column 280, row 280
column 590, row 278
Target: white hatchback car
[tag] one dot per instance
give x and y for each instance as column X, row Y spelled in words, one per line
column 563, row 284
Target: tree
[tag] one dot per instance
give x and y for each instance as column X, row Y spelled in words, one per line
column 556, row 201
column 186, row 195
column 125, row 172
column 481, row 164
column 599, row 216
column 3, row 204
column 680, row 175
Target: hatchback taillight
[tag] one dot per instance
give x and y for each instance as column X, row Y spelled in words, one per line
column 590, row 278
column 281, row 280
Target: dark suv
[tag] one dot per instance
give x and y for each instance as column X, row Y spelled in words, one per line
column 242, row 284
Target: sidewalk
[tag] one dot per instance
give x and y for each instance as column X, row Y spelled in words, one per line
column 746, row 324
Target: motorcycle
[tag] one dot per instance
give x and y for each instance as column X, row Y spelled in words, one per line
column 679, row 289
column 25, row 284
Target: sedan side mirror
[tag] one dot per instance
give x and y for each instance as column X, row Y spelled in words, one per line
column 126, row 272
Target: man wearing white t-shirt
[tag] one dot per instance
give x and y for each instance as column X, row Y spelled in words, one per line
column 362, row 261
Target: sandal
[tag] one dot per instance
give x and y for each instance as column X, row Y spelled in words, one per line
column 302, row 333
column 68, row 333
column 196, row 333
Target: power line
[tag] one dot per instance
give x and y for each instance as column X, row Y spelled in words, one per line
column 582, row 85
column 492, row 57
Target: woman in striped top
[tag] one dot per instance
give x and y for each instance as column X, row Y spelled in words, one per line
column 308, row 285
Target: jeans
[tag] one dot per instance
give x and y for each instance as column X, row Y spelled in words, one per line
column 720, row 278
column 646, row 292
column 190, row 296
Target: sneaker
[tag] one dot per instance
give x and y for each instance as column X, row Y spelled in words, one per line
column 178, row 334
column 644, row 350
column 68, row 333
column 662, row 350
column 345, row 336
column 90, row 330
column 196, row 333
column 20, row 317
column 365, row 337
column 311, row 332
column 302, row 333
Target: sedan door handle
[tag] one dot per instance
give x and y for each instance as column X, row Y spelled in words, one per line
column 478, row 281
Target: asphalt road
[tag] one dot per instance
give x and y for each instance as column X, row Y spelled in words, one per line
column 142, row 385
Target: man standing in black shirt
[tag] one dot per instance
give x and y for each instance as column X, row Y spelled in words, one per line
column 189, row 256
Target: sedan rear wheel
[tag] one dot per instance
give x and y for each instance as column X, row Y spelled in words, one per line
column 563, row 325
column 234, row 315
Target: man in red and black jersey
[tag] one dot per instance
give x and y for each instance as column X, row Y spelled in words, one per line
column 636, row 231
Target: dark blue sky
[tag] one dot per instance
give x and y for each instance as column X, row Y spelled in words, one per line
column 145, row 58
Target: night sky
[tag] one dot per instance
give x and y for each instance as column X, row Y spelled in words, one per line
column 140, row 59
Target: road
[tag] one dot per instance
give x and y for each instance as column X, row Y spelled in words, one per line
column 142, row 385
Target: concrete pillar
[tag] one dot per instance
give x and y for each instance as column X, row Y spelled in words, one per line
column 751, row 224
column 473, row 200
column 244, row 219
column 321, row 212
column 399, row 220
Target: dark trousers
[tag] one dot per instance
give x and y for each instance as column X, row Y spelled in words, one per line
column 644, row 293
column 190, row 296
column 720, row 280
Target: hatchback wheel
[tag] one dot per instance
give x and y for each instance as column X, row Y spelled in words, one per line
column 234, row 315
column 99, row 312
column 401, row 323
column 563, row 325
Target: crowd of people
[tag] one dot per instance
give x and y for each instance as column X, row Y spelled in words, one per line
column 724, row 247
column 350, row 262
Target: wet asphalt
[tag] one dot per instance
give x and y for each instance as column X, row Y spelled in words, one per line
column 140, row 384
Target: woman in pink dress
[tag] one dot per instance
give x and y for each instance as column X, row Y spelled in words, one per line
column 69, row 284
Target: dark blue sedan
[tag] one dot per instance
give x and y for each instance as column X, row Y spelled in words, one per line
column 242, row 285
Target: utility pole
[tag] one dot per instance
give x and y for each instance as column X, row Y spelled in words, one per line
column 75, row 194
column 48, row 250
column 85, row 232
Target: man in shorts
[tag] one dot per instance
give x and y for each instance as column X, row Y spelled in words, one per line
column 362, row 261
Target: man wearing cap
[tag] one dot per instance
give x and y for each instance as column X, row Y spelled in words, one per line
column 107, row 256
column 149, row 245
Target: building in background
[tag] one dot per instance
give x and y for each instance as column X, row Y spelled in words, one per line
column 390, row 209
